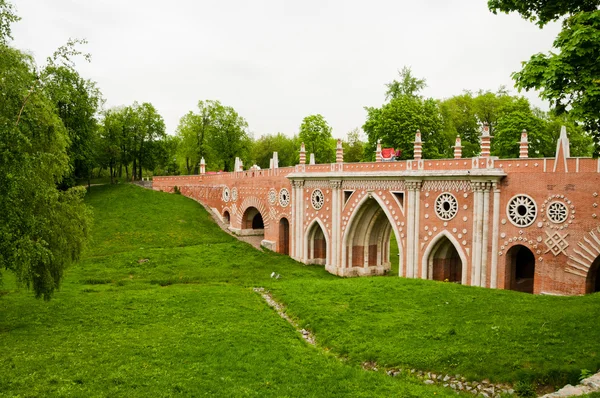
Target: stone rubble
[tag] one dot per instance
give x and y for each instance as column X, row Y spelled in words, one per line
column 587, row 386
column 456, row 382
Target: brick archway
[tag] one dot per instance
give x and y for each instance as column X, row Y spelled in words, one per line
column 317, row 244
column 444, row 259
column 252, row 201
column 366, row 241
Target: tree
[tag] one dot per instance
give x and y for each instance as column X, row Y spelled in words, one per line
column 42, row 229
column 111, row 133
column 316, row 135
column 569, row 77
column 396, row 123
column 459, row 115
column 229, row 138
column 408, row 85
column 543, row 11
column 76, row 101
column 286, row 148
column 517, row 117
column 354, row 147
column 216, row 133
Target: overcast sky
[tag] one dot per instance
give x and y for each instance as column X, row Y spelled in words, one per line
column 277, row 61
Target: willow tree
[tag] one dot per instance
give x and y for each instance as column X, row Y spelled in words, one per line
column 42, row 229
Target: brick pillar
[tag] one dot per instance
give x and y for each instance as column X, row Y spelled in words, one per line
column 524, row 146
column 202, row 167
column 418, row 146
column 457, row 148
column 339, row 152
column 302, row 154
column 485, row 141
column 378, row 151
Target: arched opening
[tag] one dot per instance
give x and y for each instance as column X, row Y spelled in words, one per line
column 226, row 217
column 444, row 262
column 284, row 236
column 367, row 241
column 593, row 279
column 252, row 222
column 257, row 222
column 317, row 245
column 520, row 269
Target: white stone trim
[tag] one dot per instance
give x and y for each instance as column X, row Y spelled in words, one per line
column 350, row 230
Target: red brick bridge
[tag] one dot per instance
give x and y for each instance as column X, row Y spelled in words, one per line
column 527, row 224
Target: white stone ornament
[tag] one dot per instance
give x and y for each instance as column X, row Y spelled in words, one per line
column 557, row 212
column 226, row 194
column 284, row 197
column 272, row 196
column 446, row 206
column 521, row 210
column 317, row 199
column 234, row 194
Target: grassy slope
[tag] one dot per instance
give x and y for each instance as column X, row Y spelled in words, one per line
column 185, row 322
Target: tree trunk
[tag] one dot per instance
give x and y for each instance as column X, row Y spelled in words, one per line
column 112, row 179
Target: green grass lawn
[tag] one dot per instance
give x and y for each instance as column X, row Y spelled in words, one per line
column 162, row 305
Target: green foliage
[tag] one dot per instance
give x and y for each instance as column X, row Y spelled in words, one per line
column 42, row 229
column 585, row 373
column 354, row 147
column 408, row 85
column 525, row 390
column 396, row 123
column 216, row 133
column 570, row 77
column 543, row 11
column 286, row 147
column 77, row 101
column 7, row 17
column 459, row 114
column 316, row 135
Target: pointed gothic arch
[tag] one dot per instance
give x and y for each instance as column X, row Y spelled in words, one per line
column 366, row 240
column 316, row 247
column 444, row 259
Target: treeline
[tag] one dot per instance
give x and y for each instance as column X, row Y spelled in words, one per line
column 130, row 142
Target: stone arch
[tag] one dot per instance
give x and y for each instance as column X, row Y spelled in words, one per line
column 592, row 282
column 252, row 201
column 316, row 237
column 284, row 236
column 366, row 239
column 520, row 269
column 441, row 248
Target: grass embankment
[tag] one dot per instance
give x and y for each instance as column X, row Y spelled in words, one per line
column 162, row 305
